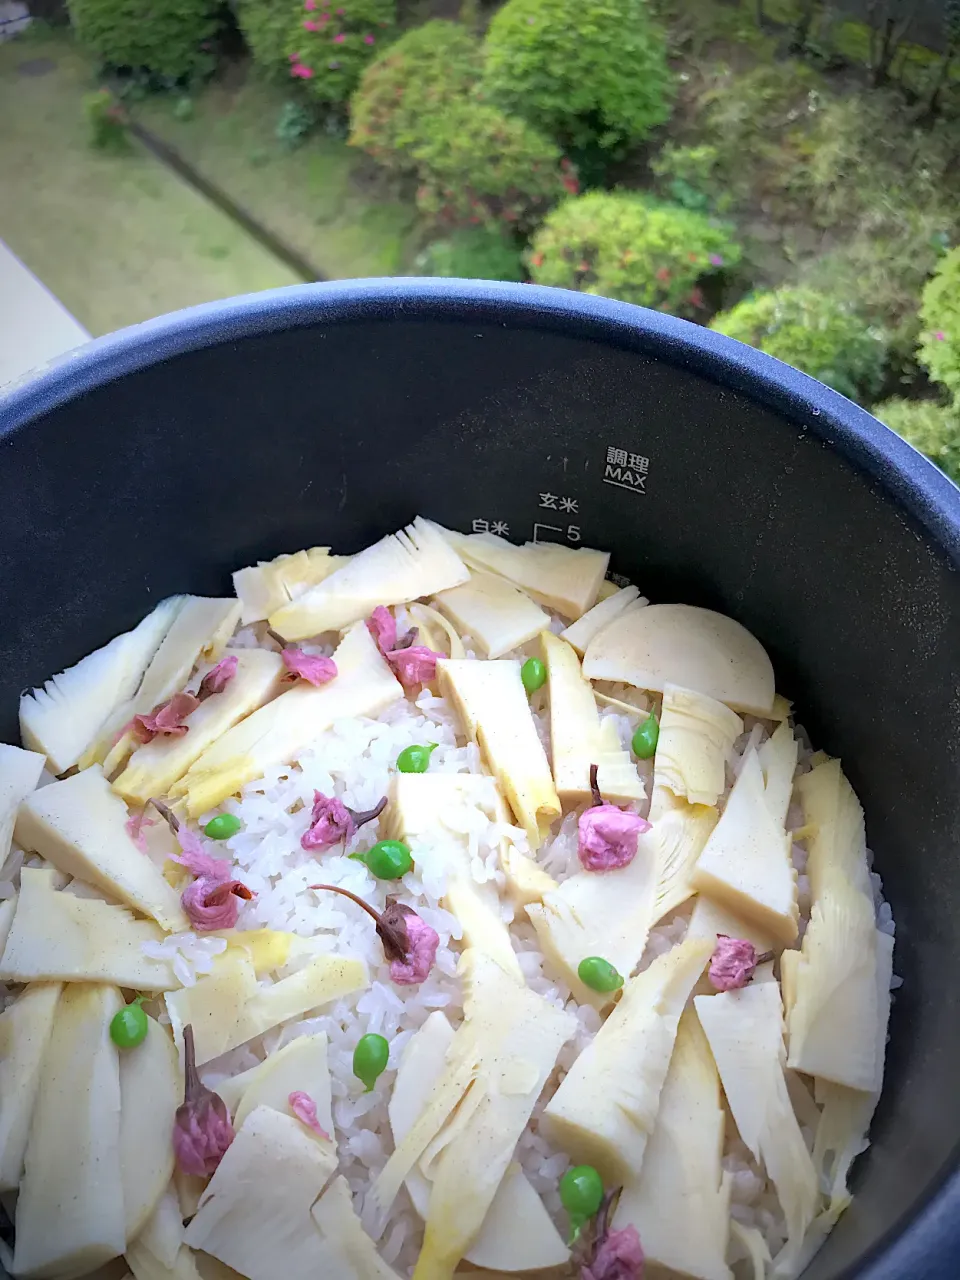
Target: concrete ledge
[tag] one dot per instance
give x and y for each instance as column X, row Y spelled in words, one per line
column 34, row 326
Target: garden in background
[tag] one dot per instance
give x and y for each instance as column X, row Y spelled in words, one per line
column 786, row 171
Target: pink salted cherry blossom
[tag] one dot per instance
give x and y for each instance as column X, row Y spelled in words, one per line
column 734, row 963
column 332, row 822
column 305, row 1109
column 413, row 666
column 165, row 720
column 409, row 943
column 422, row 944
column 202, row 1131
column 314, row 668
column 619, row 1256
column 608, row 837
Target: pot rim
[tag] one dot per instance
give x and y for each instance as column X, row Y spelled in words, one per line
column 928, row 1244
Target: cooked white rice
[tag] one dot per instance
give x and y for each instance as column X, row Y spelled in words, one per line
column 354, row 761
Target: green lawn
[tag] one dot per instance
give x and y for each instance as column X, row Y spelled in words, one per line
column 310, row 196
column 116, row 237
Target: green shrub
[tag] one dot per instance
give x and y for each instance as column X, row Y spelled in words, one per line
column 688, row 175
column 584, row 71
column 473, row 253
column 624, row 246
column 940, row 317
column 295, row 123
column 330, row 44
column 880, row 269
column 418, row 77
column 815, row 332
column 164, row 38
column 929, row 427
column 479, row 166
column 266, row 27
column 106, row 121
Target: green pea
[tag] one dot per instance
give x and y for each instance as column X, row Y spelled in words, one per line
column 645, row 739
column 415, row 759
column 533, row 674
column 581, row 1194
column 599, row 974
column 129, row 1027
column 223, row 826
column 370, row 1059
column 388, row 859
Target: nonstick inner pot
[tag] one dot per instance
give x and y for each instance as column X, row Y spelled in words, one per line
column 160, row 459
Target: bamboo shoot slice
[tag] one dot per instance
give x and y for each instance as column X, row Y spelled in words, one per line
column 151, row 1089
column 153, row 768
column 25, row 1027
column 70, row 1210
column 606, row 1108
column 745, row 1031
column 278, row 732
column 64, row 717
column 590, row 624
column 493, row 708
column 745, row 863
column 577, row 739
column 80, row 825
column 680, row 1205
column 19, row 774
column 255, row 1213
column 58, row 936
column 496, row 614
column 696, row 739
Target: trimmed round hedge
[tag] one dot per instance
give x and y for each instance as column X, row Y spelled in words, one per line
column 420, row 76
column 625, row 246
column 586, row 72
column 940, row 316
column 479, row 166
column 929, row 427
column 816, row 333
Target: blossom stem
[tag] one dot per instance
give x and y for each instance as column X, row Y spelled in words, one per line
column 332, row 888
column 165, row 812
column 367, row 815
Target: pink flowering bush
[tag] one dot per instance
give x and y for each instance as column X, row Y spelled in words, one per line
column 625, row 246
column 332, row 41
